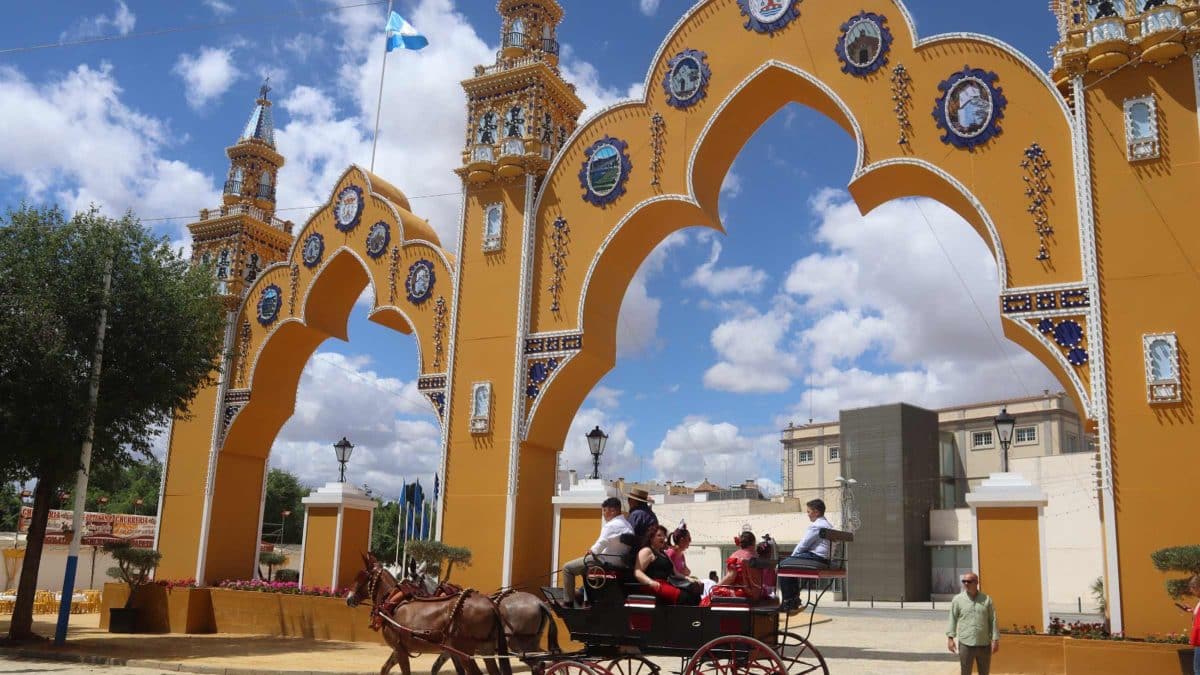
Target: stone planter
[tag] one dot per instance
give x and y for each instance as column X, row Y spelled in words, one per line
column 177, row 610
column 1033, row 654
column 258, row 613
column 1110, row 656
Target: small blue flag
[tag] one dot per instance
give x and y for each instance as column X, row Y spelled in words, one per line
column 402, row 35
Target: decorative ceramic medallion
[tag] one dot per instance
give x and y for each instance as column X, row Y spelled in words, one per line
column 605, row 170
column 768, row 16
column 686, row 81
column 864, row 44
column 348, row 208
column 378, row 238
column 269, row 304
column 419, row 283
column 970, row 108
column 312, row 250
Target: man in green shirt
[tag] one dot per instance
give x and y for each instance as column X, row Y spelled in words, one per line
column 973, row 624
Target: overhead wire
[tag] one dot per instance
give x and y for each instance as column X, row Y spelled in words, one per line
column 971, row 297
column 186, row 28
column 456, row 193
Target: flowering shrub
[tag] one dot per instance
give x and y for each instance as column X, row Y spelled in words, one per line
column 176, row 583
column 1169, row 638
column 285, row 587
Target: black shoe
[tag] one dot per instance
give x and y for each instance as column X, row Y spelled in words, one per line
column 787, row 606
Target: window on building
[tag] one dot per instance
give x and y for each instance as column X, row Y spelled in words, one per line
column 1026, row 435
column 804, row 456
column 981, row 439
column 948, row 563
column 1071, row 443
column 834, row 453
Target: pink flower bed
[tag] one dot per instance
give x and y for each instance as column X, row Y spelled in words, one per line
column 286, row 587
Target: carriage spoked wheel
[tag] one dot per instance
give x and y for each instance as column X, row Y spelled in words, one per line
column 797, row 653
column 572, row 668
column 630, row 665
column 735, row 655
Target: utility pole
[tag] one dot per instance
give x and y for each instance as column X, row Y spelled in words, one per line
column 85, row 461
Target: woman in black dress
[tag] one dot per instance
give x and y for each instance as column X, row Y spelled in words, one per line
column 655, row 571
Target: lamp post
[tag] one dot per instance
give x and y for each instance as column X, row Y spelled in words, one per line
column 102, row 502
column 283, row 526
column 137, row 505
column 596, row 440
column 846, row 484
column 344, row 449
column 1005, row 424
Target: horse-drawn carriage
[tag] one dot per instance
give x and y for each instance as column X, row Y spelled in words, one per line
column 621, row 628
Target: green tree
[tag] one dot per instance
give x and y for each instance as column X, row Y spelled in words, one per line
column 164, row 332
column 124, row 484
column 1184, row 559
column 383, row 530
column 284, row 492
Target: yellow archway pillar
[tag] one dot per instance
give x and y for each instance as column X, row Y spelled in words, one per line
column 337, row 532
column 1009, row 548
column 577, row 520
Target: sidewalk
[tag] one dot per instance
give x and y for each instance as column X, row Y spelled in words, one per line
column 217, row 653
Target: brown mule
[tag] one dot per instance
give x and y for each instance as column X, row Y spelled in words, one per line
column 467, row 623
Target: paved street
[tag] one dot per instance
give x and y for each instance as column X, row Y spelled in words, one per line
column 867, row 642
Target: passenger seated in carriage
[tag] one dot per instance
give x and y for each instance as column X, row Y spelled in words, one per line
column 608, row 546
column 656, row 572
column 812, row 552
column 742, row 579
column 677, row 544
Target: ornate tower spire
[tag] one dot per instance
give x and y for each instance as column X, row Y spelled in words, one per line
column 520, row 110
column 243, row 236
column 1099, row 36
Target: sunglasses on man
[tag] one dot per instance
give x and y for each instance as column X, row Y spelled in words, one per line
column 969, row 581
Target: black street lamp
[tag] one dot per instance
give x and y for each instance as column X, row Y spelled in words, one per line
column 137, row 505
column 596, row 441
column 1005, row 424
column 344, row 449
column 102, row 502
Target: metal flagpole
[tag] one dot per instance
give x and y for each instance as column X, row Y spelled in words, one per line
column 379, row 100
column 399, row 522
column 85, row 461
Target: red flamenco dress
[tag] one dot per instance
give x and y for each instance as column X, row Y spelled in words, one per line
column 747, row 582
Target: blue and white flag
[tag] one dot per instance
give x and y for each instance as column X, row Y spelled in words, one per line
column 402, row 35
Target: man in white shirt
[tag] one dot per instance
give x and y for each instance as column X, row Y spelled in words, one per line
column 811, row 547
column 608, row 545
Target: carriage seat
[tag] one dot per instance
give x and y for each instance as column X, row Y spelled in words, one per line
column 806, row 568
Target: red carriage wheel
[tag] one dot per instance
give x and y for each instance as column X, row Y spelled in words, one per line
column 797, row 654
column 630, row 665
column 735, row 655
column 572, row 668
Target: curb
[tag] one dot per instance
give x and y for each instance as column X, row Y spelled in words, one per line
column 92, row 659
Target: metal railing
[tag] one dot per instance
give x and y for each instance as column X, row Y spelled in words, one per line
column 514, row 39
column 233, row 187
column 266, row 192
column 505, row 64
column 550, row 45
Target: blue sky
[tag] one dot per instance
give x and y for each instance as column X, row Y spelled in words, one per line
column 803, row 309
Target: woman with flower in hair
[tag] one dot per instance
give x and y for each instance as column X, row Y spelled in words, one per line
column 741, row 579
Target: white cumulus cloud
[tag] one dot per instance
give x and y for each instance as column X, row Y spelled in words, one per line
column 120, row 22
column 754, row 357
column 648, row 7
column 206, row 75
column 741, row 279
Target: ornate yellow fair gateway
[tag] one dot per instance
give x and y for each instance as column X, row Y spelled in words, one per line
column 1079, row 182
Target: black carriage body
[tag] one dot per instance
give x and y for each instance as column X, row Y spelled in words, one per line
column 639, row 625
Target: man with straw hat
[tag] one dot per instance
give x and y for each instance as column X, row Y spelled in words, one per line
column 640, row 517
